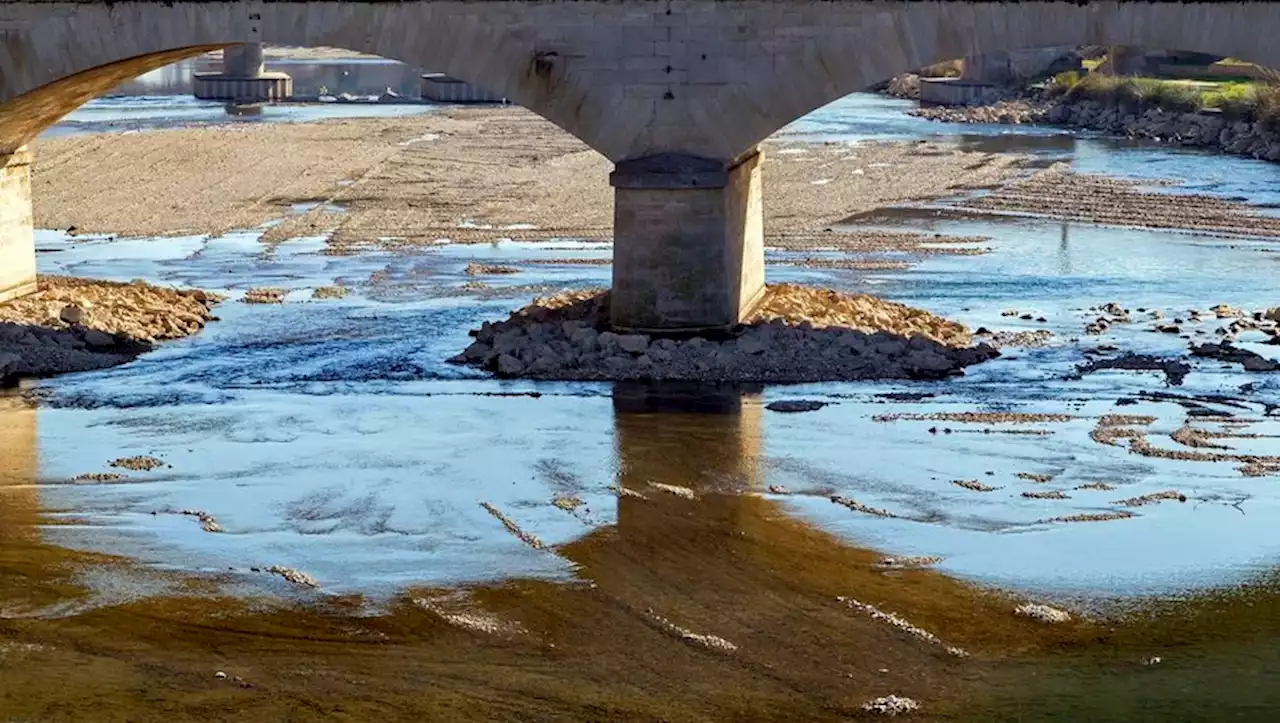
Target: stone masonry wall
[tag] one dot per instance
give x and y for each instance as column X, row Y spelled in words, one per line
column 629, row 77
column 17, row 243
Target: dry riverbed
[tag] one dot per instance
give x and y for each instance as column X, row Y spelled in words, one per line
column 462, row 176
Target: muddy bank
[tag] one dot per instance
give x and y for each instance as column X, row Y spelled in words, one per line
column 73, row 324
column 797, row 334
column 474, row 175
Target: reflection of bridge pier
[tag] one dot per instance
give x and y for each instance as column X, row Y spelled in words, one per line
column 19, row 500
column 695, row 437
column 243, row 78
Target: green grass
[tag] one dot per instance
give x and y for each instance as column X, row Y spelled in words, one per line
column 1237, row 98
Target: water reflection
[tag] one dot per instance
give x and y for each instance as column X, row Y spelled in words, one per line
column 701, row 438
column 19, row 500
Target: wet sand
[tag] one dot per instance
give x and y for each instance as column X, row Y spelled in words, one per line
column 471, row 175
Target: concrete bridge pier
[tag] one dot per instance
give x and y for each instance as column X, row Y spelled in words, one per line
column 688, row 246
column 17, row 237
column 243, row 78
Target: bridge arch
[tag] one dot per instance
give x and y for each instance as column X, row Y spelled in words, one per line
column 861, row 44
column 64, row 59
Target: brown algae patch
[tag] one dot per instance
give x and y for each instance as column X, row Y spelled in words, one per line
column 1034, row 477
column 139, row 463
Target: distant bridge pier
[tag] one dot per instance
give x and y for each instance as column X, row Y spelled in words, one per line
column 243, row 78
column 688, row 242
column 17, row 237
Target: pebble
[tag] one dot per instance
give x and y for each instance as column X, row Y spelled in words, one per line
column 1042, row 613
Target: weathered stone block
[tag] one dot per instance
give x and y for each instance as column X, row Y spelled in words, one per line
column 17, row 239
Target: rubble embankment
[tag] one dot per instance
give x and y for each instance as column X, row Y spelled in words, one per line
column 796, row 334
column 71, row 324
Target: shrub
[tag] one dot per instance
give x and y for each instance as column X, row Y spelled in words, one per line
column 947, row 69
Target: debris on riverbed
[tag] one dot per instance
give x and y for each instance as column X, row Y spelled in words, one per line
column 71, row 324
column 797, row 334
column 1034, row 476
column 857, row 506
column 99, row 477
column 973, row 484
column 329, row 292
column 976, row 417
column 297, row 577
column 264, row 296
column 478, row 269
column 1046, row 495
column 1152, row 498
column 568, row 503
column 140, row 463
column 1100, row 486
column 891, row 705
column 1089, row 517
column 621, row 491
column 1042, row 613
column 678, row 491
column 445, row 607
column 208, row 522
column 712, row 642
column 525, row 537
column 917, row 632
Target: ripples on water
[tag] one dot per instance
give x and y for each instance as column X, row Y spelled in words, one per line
column 331, row 436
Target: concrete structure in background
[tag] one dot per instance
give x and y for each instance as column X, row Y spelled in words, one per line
column 443, row 89
column 959, row 91
column 17, row 239
column 244, row 78
column 637, row 80
column 988, row 77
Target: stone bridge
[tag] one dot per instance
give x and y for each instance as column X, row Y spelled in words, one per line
column 677, row 93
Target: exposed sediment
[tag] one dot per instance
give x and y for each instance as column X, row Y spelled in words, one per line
column 796, row 334
column 72, row 324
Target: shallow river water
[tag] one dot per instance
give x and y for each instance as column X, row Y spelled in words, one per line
column 331, row 436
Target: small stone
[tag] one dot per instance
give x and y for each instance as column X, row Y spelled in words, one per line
column 93, row 337
column 509, row 366
column 796, row 405
column 71, row 314
column 633, row 343
column 220, row 675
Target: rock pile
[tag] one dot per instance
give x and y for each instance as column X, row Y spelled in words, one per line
column 1199, row 129
column 797, row 334
column 72, row 324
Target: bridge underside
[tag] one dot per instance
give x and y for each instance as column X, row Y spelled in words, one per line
column 677, row 94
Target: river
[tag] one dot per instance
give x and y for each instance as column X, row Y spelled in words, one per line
column 332, row 438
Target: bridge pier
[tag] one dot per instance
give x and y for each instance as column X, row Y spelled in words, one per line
column 243, row 78
column 17, row 237
column 688, row 242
